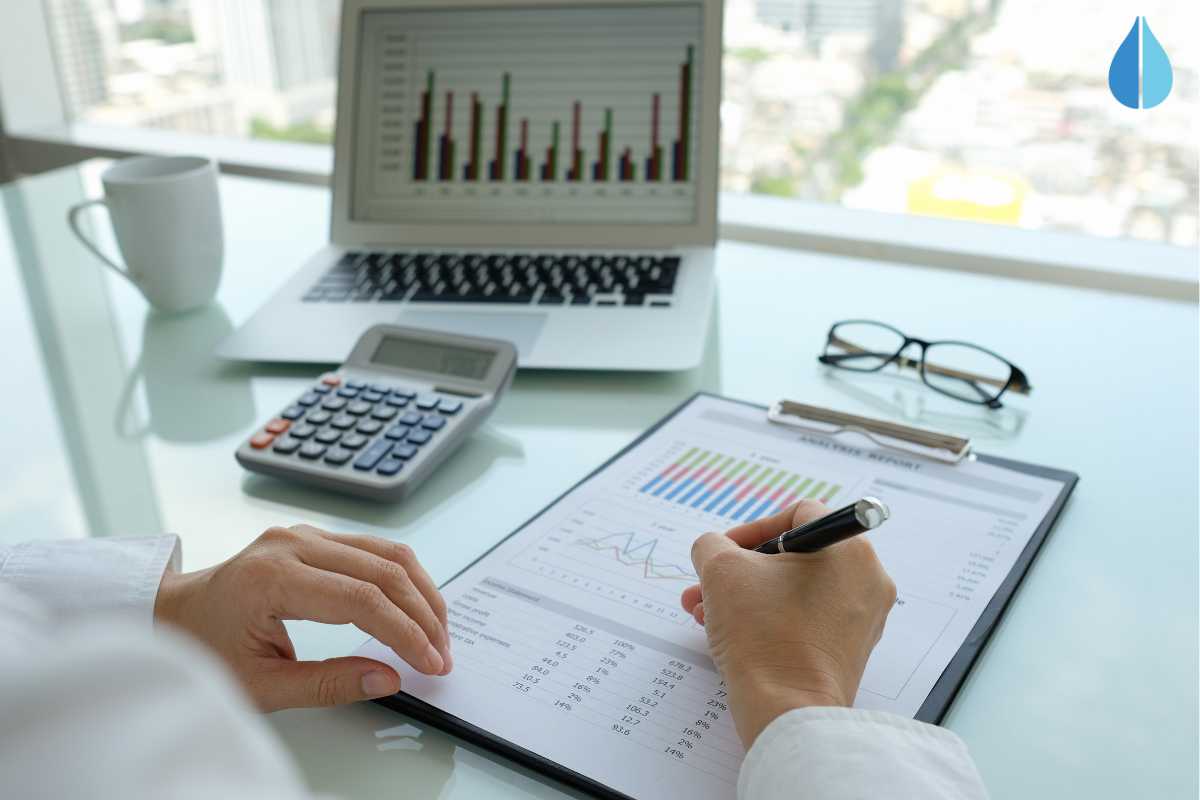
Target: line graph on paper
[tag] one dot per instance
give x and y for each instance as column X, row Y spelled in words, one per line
column 627, row 549
column 618, row 553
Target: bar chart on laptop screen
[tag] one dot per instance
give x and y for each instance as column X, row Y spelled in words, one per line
column 530, row 115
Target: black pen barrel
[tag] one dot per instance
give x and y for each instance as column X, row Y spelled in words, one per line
column 828, row 530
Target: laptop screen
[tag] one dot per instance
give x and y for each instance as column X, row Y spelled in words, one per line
column 528, row 115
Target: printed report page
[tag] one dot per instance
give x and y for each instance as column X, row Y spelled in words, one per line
column 569, row 640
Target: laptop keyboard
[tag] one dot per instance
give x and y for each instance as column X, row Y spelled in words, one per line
column 521, row 279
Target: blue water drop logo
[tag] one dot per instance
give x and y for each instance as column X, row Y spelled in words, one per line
column 1140, row 69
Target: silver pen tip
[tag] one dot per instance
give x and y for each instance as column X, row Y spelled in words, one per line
column 871, row 512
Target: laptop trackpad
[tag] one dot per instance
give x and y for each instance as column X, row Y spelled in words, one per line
column 520, row 329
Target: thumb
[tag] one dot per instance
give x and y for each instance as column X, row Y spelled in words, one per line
column 335, row 681
column 707, row 546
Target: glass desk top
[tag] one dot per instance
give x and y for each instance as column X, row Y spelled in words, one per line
column 119, row 421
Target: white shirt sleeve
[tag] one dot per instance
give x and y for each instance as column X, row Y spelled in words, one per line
column 111, row 710
column 843, row 753
column 86, row 576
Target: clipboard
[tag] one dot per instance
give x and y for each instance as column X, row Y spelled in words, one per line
column 933, row 710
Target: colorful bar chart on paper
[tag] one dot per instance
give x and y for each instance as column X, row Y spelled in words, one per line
column 741, row 489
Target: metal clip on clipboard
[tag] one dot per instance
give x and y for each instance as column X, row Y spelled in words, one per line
column 890, row 435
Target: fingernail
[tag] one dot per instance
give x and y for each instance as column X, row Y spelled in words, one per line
column 433, row 660
column 377, row 684
column 447, row 662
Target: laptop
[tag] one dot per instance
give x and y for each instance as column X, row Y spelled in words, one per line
column 539, row 172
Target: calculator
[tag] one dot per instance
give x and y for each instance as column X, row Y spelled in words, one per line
column 377, row 427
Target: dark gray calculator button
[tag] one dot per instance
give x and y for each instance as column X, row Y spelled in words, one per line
column 397, row 432
column 312, row 450
column 384, row 413
column 287, row 445
column 433, row 423
column 405, row 393
column 346, row 391
column 321, row 388
column 358, row 407
column 403, row 451
column 372, row 455
column 381, row 388
column 450, row 406
column 309, row 399
column 319, row 417
column 410, row 418
column 344, row 422
column 303, row 431
column 370, row 427
column 397, row 401
column 418, row 437
column 353, row 441
column 372, row 396
column 427, row 402
column 293, row 412
column 356, row 384
column 328, row 436
column 334, row 403
column 390, row 466
column 337, row 456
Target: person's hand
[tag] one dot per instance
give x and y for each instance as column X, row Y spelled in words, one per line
column 237, row 608
column 789, row 630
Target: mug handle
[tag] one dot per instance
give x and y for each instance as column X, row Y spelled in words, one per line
column 73, row 221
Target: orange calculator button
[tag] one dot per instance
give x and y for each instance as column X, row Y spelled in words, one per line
column 277, row 426
column 331, row 380
column 262, row 440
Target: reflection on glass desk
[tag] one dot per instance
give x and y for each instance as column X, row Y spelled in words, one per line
column 900, row 398
column 119, row 422
column 191, row 396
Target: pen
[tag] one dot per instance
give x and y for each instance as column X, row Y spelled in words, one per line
column 867, row 513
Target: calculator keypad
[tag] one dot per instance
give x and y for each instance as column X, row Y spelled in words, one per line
column 375, row 428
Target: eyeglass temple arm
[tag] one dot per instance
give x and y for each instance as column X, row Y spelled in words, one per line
column 1019, row 383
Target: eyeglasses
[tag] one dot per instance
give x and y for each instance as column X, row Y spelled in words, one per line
column 960, row 370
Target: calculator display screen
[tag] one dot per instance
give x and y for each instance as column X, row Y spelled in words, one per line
column 461, row 362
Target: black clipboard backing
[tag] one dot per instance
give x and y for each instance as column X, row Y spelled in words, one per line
column 933, row 710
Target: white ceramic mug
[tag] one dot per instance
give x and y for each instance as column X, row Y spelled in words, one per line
column 167, row 218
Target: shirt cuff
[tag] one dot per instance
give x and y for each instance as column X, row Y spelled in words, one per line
column 75, row 577
column 852, row 753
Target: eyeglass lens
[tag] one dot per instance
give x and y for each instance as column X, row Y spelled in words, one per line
column 960, row 370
